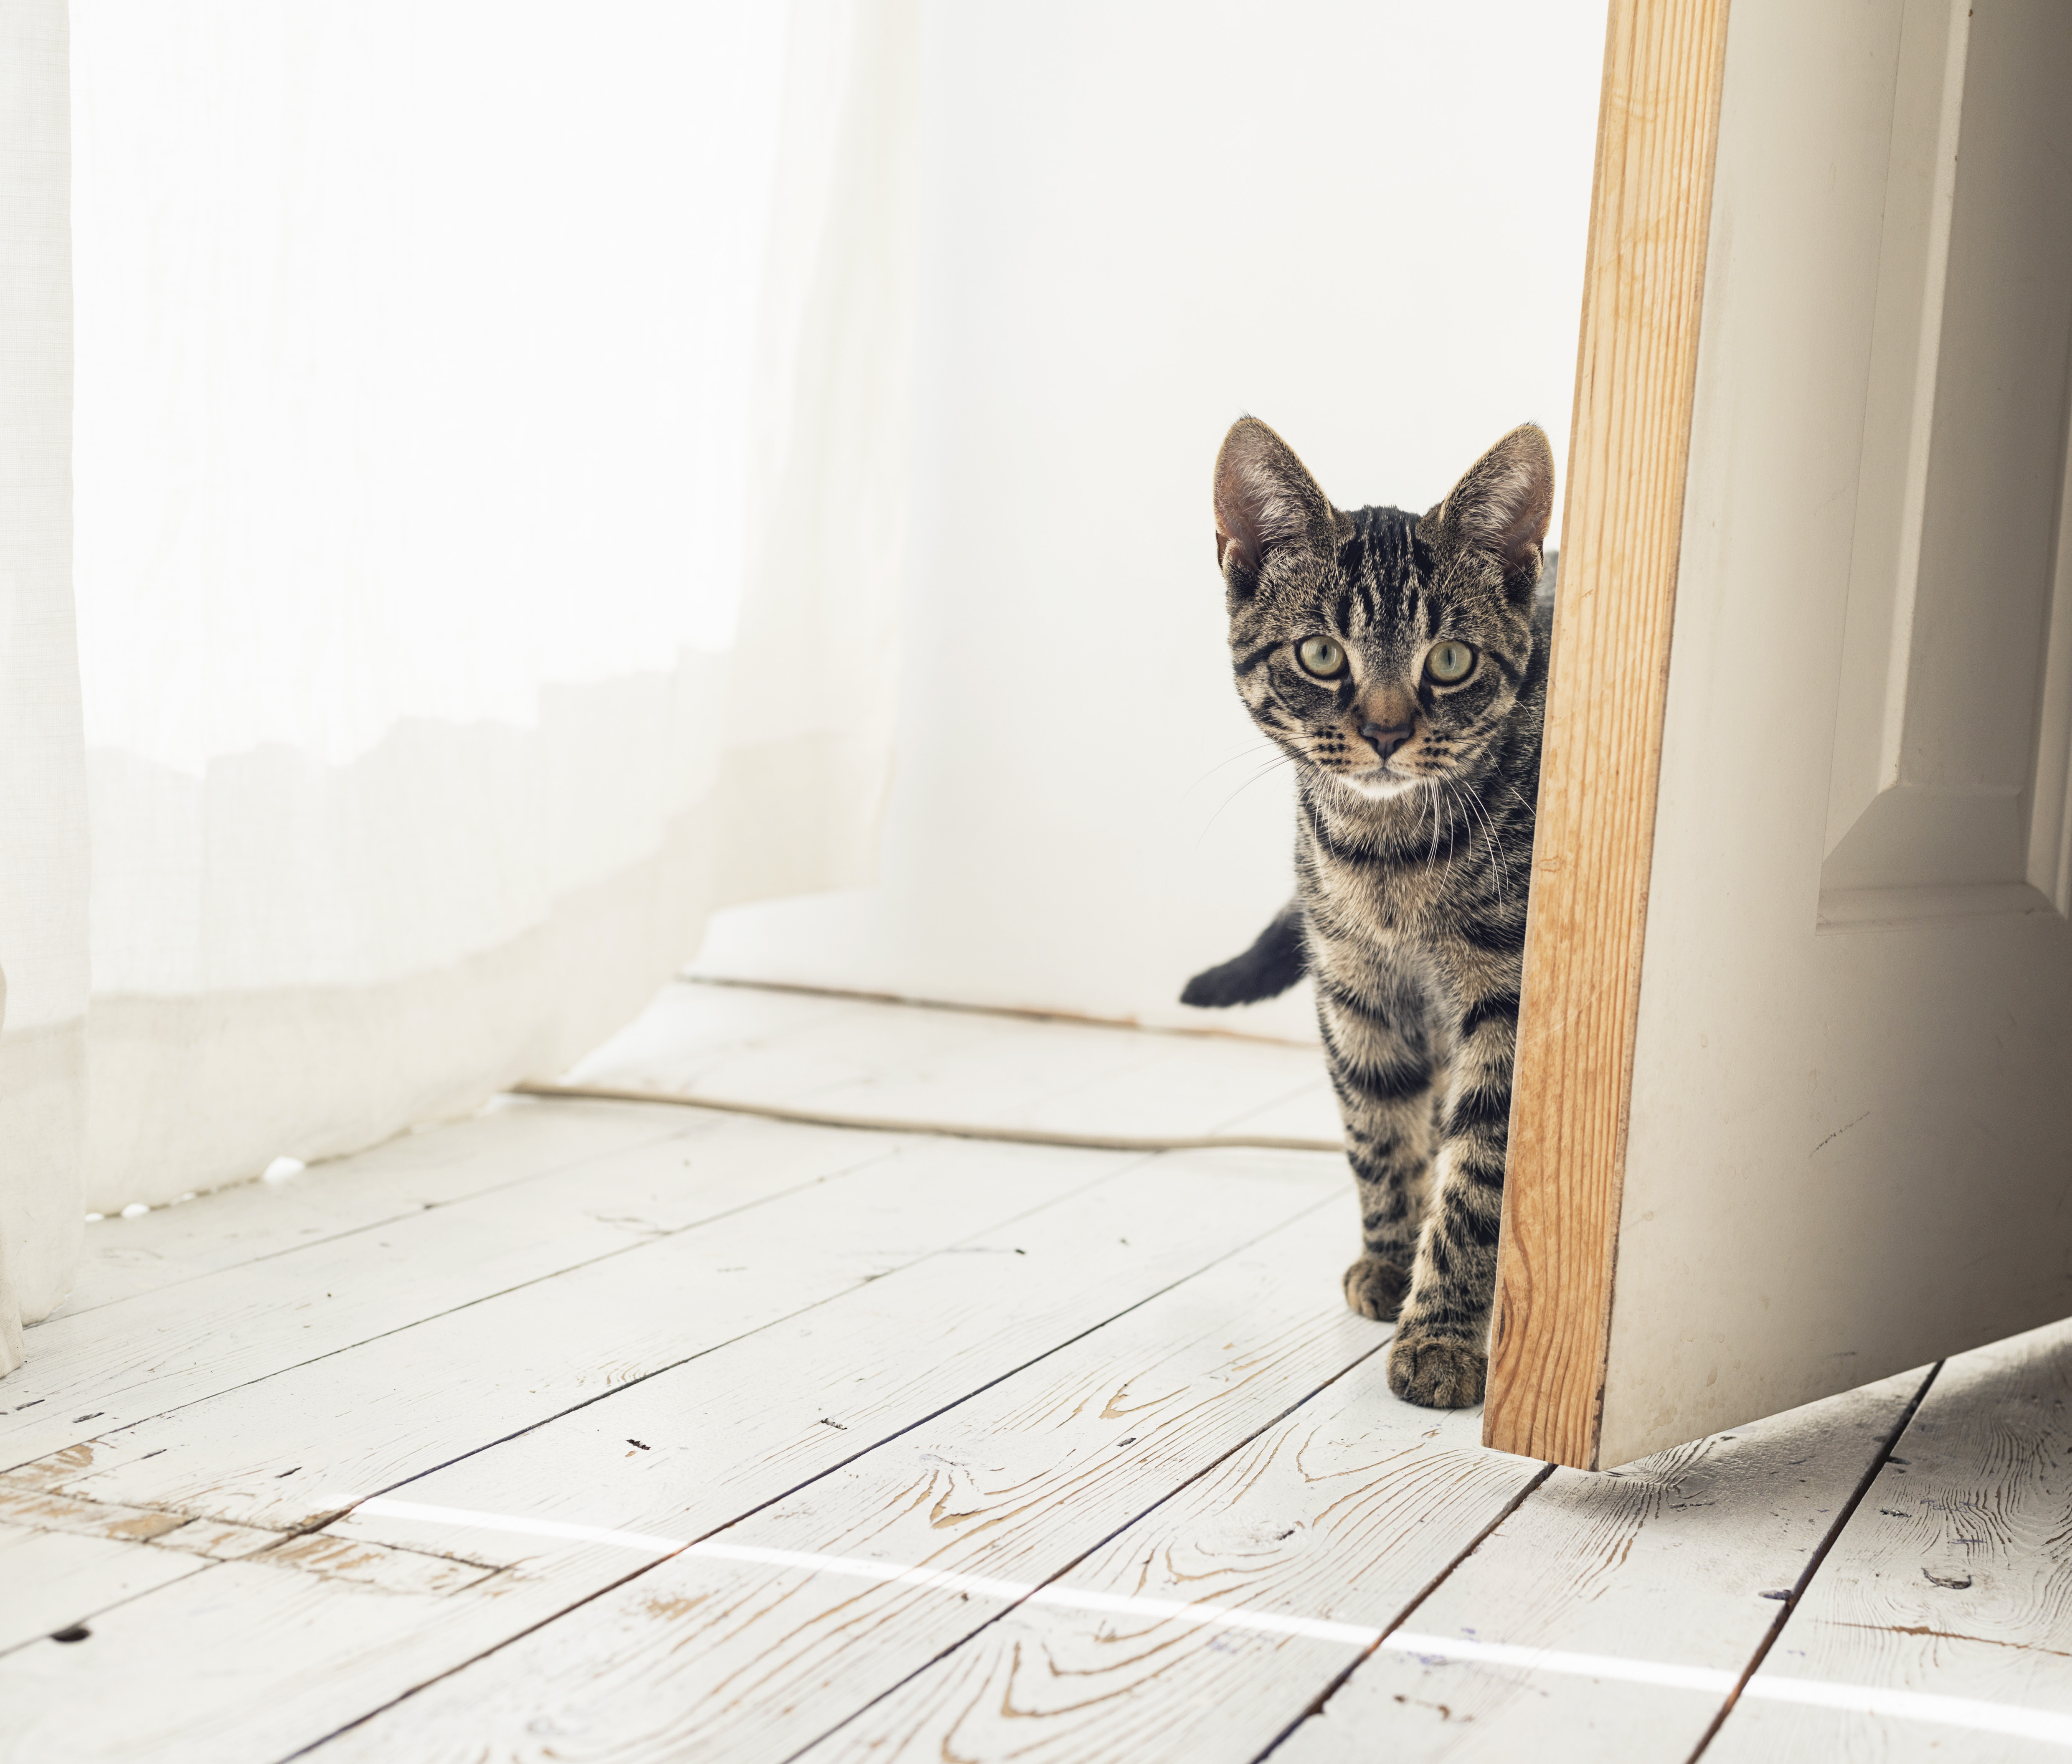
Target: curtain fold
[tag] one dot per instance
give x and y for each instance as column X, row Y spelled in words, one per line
column 42, row 808
column 491, row 458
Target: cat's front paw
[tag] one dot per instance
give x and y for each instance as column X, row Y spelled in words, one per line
column 1436, row 1371
column 1375, row 1288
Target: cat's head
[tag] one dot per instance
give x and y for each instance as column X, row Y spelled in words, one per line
column 1376, row 646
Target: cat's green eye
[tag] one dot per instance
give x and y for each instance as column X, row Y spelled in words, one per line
column 1322, row 655
column 1450, row 662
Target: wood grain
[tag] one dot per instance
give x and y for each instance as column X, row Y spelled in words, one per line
column 701, row 1657
column 123, row 1364
column 250, row 1663
column 1345, row 1511
column 1650, row 214
column 363, row 1420
column 1671, row 1561
column 948, row 1412
column 1954, row 1578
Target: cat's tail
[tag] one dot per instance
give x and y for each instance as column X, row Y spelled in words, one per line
column 1274, row 963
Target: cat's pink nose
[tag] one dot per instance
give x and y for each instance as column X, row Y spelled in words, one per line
column 1385, row 741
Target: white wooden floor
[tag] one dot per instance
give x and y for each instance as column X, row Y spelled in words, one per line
column 981, row 1452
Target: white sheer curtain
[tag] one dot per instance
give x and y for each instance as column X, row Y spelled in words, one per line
column 490, row 460
column 43, row 806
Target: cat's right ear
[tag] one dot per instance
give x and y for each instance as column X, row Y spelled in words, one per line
column 1265, row 499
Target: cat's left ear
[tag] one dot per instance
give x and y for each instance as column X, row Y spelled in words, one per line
column 1502, row 504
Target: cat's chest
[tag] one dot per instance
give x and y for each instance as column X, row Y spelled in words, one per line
column 1399, row 914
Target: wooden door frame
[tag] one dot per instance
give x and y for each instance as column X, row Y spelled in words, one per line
column 1636, row 370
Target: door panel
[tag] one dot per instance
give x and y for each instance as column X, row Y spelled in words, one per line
column 1937, row 741
column 1848, row 1111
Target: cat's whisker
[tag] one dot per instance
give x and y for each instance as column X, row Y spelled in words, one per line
column 1271, row 765
column 1456, row 816
column 1459, row 793
column 1488, row 835
column 1250, row 750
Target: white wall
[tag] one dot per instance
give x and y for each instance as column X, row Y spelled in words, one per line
column 1362, row 221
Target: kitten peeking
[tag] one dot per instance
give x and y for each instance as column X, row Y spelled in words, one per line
column 1401, row 662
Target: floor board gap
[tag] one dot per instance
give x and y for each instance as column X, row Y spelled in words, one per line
column 1409, row 1611
column 1819, row 1556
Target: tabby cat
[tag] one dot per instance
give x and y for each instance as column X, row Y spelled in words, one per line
column 1401, row 662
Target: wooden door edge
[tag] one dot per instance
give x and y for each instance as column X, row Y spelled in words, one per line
column 1636, row 370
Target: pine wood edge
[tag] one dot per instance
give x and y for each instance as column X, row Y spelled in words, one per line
column 1651, row 208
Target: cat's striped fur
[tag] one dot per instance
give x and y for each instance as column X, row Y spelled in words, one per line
column 1413, row 848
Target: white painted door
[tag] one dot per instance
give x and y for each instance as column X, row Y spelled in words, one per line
column 1849, row 1143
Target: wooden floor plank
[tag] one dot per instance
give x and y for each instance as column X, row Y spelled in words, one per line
column 279, row 1651
column 735, row 1429
column 247, row 1661
column 287, row 1450
column 685, row 1029
column 701, row 1657
column 771, row 1046
column 519, row 1140
column 779, row 1047
column 893, row 1060
column 1953, row 1579
column 691, row 1017
column 50, row 1580
column 1343, row 1512
column 123, row 1363
column 1220, row 1082
column 730, row 1433
column 945, row 1413
column 1668, row 1561
column 1094, row 1080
